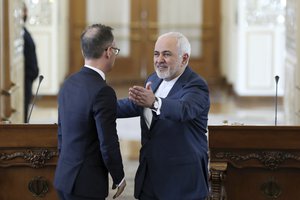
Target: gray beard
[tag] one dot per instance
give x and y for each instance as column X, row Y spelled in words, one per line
column 163, row 75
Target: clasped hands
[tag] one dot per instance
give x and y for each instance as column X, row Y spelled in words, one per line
column 142, row 96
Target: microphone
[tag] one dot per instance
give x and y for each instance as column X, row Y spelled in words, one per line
column 276, row 96
column 41, row 77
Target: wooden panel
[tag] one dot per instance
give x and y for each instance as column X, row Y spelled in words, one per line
column 1, row 59
column 254, row 162
column 12, row 76
column 209, row 67
column 76, row 26
column 17, row 186
column 28, row 156
column 254, row 137
column 16, row 135
column 129, row 68
column 5, row 75
column 251, row 185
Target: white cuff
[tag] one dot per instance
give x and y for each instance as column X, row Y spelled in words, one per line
column 159, row 106
column 121, row 182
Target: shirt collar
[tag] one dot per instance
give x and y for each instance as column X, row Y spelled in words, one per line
column 96, row 70
column 172, row 82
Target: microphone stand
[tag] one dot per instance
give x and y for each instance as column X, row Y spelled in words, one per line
column 41, row 77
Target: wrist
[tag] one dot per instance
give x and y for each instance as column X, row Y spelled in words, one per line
column 155, row 104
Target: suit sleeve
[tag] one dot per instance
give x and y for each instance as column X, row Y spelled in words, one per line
column 59, row 136
column 190, row 102
column 105, row 112
column 127, row 108
column 31, row 63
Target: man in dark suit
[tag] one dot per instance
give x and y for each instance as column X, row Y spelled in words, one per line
column 87, row 137
column 174, row 108
column 31, row 65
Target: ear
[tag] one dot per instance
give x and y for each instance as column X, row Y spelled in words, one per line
column 108, row 52
column 185, row 58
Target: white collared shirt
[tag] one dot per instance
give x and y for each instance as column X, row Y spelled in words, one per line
column 96, row 70
column 165, row 87
column 162, row 92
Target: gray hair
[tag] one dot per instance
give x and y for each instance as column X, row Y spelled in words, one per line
column 183, row 43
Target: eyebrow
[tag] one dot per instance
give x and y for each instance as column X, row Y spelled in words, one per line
column 165, row 51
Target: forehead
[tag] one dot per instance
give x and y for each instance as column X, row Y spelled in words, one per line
column 166, row 44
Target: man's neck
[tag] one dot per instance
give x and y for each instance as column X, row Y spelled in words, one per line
column 96, row 63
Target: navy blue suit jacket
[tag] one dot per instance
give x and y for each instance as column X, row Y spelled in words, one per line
column 31, row 64
column 87, row 136
column 31, row 70
column 174, row 148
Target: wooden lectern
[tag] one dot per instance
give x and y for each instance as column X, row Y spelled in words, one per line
column 254, row 162
column 28, row 156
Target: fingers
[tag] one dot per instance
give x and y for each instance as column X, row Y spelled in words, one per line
column 138, row 97
column 148, row 85
column 114, row 186
column 134, row 96
column 137, row 94
column 139, row 88
column 120, row 189
column 141, row 96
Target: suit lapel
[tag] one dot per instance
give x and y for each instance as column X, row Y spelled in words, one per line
column 155, row 83
column 180, row 82
column 177, row 86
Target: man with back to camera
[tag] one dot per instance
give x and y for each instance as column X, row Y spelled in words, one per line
column 173, row 109
column 87, row 137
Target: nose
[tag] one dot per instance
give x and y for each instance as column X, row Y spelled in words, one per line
column 160, row 58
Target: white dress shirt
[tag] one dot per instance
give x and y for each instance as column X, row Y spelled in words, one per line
column 96, row 70
column 162, row 92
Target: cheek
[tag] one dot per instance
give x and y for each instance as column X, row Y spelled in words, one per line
column 172, row 62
